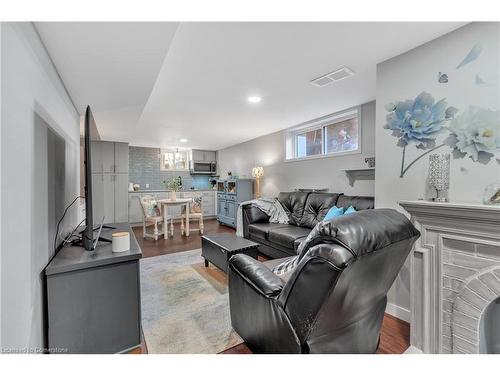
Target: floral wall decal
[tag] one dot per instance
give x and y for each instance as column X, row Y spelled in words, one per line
column 474, row 132
column 472, row 55
column 418, row 121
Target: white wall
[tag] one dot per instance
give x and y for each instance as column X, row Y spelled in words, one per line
column 280, row 175
column 0, row 182
column 36, row 115
column 405, row 77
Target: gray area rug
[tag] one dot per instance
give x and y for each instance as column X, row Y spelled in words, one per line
column 185, row 306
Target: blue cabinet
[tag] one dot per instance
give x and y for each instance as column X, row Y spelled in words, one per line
column 230, row 193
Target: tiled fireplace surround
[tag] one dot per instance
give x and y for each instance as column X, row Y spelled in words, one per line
column 455, row 269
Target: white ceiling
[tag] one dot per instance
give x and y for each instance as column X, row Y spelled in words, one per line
column 152, row 84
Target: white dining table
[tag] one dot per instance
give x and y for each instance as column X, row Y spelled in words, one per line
column 166, row 203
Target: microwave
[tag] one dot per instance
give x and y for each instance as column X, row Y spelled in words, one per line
column 203, row 167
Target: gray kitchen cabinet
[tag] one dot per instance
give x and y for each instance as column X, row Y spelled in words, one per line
column 209, row 156
column 97, row 196
column 121, row 197
column 204, row 155
column 208, row 203
column 198, row 155
column 162, row 195
column 134, row 208
column 96, row 157
column 110, row 181
column 108, row 157
column 109, row 200
column 102, row 198
column 121, row 158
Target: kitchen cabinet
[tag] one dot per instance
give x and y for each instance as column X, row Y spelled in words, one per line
column 109, row 157
column 121, row 158
column 204, row 155
column 110, row 181
column 121, row 197
column 134, row 208
column 103, row 198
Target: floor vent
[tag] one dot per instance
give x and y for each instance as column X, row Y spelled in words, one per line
column 335, row 76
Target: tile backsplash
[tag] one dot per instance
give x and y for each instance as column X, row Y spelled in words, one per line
column 144, row 168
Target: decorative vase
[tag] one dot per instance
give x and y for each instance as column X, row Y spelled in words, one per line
column 173, row 195
column 492, row 194
column 439, row 175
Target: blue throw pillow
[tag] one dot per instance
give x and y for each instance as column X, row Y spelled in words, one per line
column 334, row 212
column 350, row 210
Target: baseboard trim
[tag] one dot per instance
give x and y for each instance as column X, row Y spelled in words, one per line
column 398, row 311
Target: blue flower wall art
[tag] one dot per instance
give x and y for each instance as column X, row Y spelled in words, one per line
column 475, row 132
column 418, row 121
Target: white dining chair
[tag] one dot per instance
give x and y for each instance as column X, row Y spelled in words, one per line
column 195, row 214
column 152, row 216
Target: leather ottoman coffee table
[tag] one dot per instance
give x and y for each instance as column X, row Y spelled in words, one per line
column 218, row 248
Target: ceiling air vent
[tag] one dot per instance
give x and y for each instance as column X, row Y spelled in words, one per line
column 335, row 76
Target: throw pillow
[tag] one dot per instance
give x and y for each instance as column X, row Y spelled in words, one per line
column 349, row 210
column 152, row 208
column 333, row 212
column 196, row 205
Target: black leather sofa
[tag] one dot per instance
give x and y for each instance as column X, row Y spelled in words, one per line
column 335, row 298
column 304, row 211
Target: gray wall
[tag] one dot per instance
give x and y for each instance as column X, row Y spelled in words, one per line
column 280, row 175
column 144, row 168
column 405, row 77
column 39, row 174
column 1, row 27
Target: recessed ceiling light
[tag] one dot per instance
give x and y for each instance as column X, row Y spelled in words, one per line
column 183, row 140
column 254, row 99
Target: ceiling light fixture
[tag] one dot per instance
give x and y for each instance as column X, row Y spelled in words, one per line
column 183, row 140
column 254, row 99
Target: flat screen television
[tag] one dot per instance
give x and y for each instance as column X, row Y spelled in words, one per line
column 87, row 235
column 88, row 232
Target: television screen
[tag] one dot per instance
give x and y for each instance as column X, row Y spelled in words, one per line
column 88, row 234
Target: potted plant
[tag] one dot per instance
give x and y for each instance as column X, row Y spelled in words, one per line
column 174, row 184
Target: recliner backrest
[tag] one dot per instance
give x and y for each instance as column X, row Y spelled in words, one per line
column 336, row 296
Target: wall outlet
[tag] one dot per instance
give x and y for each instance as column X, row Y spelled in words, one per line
column 147, row 186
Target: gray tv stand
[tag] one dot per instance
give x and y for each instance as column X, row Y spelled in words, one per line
column 93, row 298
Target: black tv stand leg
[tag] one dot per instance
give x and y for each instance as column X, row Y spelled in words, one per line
column 106, row 227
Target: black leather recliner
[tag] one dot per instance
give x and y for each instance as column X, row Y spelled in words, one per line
column 334, row 300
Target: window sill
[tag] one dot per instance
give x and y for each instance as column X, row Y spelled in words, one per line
column 324, row 156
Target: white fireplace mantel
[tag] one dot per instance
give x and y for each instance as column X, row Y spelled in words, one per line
column 455, row 272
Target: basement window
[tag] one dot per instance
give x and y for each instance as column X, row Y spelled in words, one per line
column 174, row 160
column 333, row 135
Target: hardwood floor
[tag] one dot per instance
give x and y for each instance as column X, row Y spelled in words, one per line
column 394, row 338
column 177, row 243
column 395, row 335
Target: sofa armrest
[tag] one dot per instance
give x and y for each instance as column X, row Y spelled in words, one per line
column 252, row 215
column 256, row 274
